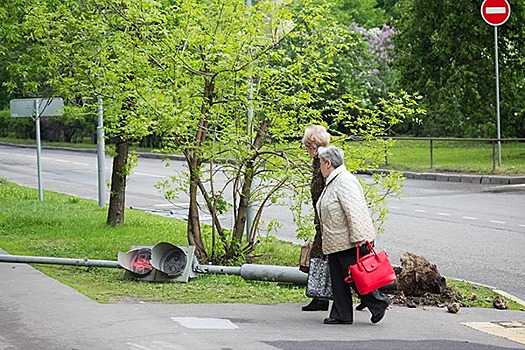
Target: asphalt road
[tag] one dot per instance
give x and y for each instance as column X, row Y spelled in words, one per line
column 474, row 232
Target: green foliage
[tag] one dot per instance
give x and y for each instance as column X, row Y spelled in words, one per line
column 366, row 13
column 213, row 79
column 23, row 128
column 445, row 51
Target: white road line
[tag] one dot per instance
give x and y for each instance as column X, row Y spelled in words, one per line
column 394, row 207
column 146, row 174
column 443, row 214
column 61, row 161
column 420, row 211
column 156, row 345
column 205, row 323
column 137, row 346
column 469, row 218
column 521, row 225
column 497, row 222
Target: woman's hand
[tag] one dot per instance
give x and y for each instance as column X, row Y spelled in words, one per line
column 360, row 243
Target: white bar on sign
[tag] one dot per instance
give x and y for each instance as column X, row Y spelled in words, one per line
column 495, row 10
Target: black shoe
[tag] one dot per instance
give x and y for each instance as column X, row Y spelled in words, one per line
column 316, row 305
column 360, row 307
column 378, row 316
column 330, row 320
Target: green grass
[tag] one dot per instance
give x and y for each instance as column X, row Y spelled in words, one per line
column 456, row 156
column 69, row 227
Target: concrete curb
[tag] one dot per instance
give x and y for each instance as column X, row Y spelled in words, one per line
column 445, row 177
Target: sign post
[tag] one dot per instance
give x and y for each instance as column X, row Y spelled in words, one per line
column 495, row 13
column 101, row 154
column 37, row 107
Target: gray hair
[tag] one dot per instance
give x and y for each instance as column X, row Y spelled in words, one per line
column 334, row 154
column 316, row 136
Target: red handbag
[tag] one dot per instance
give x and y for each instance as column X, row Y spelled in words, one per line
column 370, row 272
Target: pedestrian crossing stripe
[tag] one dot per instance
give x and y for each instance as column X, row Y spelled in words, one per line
column 512, row 330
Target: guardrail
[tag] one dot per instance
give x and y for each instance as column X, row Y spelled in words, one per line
column 493, row 141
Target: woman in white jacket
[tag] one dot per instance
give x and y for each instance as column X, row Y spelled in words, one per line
column 345, row 223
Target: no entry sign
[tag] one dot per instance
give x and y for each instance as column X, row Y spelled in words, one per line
column 495, row 12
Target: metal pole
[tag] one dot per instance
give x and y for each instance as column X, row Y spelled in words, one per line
column 38, row 150
column 286, row 274
column 57, row 261
column 250, row 212
column 493, row 155
column 101, row 155
column 497, row 92
column 431, row 154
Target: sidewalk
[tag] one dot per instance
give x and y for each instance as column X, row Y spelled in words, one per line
column 39, row 313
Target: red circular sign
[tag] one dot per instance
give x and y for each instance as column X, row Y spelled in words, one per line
column 495, row 12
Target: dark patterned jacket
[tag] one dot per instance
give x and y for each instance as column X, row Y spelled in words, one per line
column 316, row 188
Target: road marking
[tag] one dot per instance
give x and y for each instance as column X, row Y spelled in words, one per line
column 420, row 211
column 469, row 218
column 497, row 222
column 205, row 323
column 394, row 207
column 155, row 345
column 443, row 214
column 521, row 225
column 61, row 160
column 146, row 174
column 511, row 330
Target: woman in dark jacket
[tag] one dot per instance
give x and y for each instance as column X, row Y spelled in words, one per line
column 316, row 136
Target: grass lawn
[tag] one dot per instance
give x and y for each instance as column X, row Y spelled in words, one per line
column 69, row 227
column 456, row 156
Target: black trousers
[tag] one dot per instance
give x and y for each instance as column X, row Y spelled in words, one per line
column 342, row 307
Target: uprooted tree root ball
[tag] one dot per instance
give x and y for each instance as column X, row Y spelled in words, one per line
column 420, row 284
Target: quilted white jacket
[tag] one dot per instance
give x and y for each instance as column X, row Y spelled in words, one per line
column 343, row 212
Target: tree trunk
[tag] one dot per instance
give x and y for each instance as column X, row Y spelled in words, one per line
column 246, row 192
column 117, row 197
column 193, row 159
column 194, row 226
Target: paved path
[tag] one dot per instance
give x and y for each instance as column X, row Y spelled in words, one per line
column 39, row 313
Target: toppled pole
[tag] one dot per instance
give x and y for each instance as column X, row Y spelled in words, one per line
column 58, row 261
column 271, row 273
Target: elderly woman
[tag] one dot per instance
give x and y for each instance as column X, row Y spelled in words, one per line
column 345, row 224
column 316, row 136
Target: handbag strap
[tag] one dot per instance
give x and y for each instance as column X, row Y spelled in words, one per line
column 370, row 248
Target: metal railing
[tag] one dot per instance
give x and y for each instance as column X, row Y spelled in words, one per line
column 493, row 141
